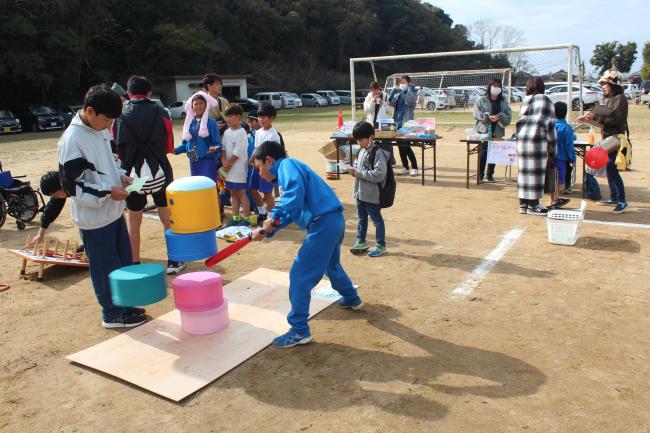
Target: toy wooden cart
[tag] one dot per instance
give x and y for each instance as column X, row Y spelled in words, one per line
column 50, row 252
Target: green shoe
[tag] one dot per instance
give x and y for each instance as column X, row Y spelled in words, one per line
column 378, row 250
column 359, row 247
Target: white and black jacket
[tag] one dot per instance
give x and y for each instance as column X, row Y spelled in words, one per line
column 88, row 170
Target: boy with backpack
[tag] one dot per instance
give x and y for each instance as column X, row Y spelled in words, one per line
column 374, row 188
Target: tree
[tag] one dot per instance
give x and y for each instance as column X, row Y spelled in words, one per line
column 614, row 54
column 645, row 69
column 490, row 35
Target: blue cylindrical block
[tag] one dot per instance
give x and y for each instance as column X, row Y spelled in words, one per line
column 190, row 247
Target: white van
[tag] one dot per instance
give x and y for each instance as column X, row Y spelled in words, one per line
column 273, row 98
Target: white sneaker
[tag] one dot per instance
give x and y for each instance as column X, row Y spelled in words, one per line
column 403, row 171
column 414, row 172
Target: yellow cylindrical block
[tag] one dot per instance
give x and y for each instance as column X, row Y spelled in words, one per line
column 193, row 205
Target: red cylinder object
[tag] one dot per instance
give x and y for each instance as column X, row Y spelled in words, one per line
column 340, row 121
column 596, row 158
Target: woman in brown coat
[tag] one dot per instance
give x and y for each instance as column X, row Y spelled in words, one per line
column 611, row 117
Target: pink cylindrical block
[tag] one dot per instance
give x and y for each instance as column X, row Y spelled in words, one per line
column 198, row 291
column 206, row 322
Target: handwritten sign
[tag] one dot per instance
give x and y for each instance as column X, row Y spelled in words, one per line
column 502, row 152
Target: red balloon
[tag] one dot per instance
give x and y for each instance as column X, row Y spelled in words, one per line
column 596, row 158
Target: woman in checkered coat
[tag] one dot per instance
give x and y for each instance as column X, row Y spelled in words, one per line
column 535, row 146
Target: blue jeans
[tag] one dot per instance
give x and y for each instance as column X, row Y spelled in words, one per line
column 374, row 210
column 319, row 255
column 615, row 181
column 108, row 248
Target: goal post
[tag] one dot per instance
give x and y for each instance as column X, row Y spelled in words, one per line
column 556, row 64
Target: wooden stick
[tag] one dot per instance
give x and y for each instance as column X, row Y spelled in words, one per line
column 41, row 269
column 22, row 270
column 74, row 253
column 84, row 258
column 36, row 248
column 65, row 249
column 56, row 248
column 26, row 242
column 46, row 241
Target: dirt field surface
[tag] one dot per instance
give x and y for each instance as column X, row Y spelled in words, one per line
column 552, row 339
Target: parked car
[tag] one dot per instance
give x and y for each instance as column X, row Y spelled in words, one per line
column 177, row 110
column 559, row 93
column 313, row 100
column 345, row 96
column 632, row 91
column 361, row 96
column 465, row 96
column 644, row 87
column 331, row 96
column 9, row 123
column 247, row 104
column 432, row 99
column 68, row 112
column 297, row 102
column 39, row 117
column 273, row 98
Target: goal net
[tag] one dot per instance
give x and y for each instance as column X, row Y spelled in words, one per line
column 449, row 83
column 451, row 90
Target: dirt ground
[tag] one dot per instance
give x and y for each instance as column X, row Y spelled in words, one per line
column 554, row 339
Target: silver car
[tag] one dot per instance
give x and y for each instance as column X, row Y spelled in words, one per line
column 313, row 100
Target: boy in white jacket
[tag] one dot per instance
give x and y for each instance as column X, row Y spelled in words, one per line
column 91, row 176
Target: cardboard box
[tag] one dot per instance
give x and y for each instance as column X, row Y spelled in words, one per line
column 329, row 151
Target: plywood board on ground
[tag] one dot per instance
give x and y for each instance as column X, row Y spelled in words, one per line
column 161, row 358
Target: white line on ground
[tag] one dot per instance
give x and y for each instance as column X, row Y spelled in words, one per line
column 616, row 223
column 509, row 238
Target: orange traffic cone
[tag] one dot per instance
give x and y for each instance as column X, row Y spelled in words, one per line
column 339, row 124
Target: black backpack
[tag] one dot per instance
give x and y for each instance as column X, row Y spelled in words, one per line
column 387, row 191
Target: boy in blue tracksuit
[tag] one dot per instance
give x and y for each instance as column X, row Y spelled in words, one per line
column 312, row 205
column 565, row 150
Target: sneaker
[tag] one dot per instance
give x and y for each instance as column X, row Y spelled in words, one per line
column 127, row 320
column 557, row 204
column 291, row 339
column 355, row 304
column 620, row 208
column 136, row 310
column 378, row 250
column 608, row 202
column 523, row 209
column 537, row 210
column 567, row 191
column 252, row 220
column 403, row 172
column 490, row 179
column 414, row 172
column 175, row 267
column 359, row 247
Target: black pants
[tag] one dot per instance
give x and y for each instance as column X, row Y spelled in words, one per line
column 406, row 154
column 482, row 162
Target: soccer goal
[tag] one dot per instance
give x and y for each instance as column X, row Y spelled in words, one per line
column 448, row 83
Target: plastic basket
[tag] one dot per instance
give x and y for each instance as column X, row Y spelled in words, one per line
column 565, row 225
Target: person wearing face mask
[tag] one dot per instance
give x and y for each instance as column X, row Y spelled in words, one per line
column 404, row 100
column 492, row 114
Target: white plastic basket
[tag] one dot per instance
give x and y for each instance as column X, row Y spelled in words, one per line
column 565, row 225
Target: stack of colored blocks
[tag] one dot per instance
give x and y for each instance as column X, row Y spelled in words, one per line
column 194, row 210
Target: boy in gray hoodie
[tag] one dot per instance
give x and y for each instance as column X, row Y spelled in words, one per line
column 91, row 176
column 369, row 173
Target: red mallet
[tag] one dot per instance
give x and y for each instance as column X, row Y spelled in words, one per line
column 228, row 251
column 596, row 158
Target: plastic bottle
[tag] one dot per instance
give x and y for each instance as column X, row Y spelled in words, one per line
column 339, row 124
column 592, row 135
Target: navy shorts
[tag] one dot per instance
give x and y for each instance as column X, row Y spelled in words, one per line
column 258, row 183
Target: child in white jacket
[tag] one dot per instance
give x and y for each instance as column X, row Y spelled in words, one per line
column 91, row 176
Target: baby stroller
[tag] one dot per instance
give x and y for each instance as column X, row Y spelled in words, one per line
column 18, row 199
